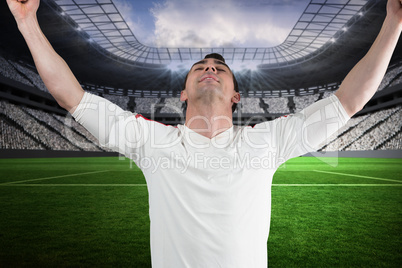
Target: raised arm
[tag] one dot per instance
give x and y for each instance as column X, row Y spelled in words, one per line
column 53, row 70
column 363, row 80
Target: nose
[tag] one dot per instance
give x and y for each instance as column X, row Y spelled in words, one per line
column 210, row 68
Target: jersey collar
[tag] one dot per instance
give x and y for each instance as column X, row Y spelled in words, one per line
column 197, row 140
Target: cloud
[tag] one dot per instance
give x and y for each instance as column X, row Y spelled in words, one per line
column 135, row 21
column 225, row 23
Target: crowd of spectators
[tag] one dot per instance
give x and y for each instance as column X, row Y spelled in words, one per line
column 63, row 133
column 251, row 106
column 146, row 105
column 392, row 77
column 173, row 105
column 385, row 128
column 394, row 143
column 56, row 132
column 277, row 105
column 121, row 101
column 367, row 132
column 326, row 94
column 38, row 131
column 63, row 130
column 32, row 76
column 69, row 122
column 396, row 81
column 332, row 143
column 13, row 138
column 302, row 102
column 8, row 70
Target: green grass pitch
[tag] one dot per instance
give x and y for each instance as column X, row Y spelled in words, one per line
column 86, row 212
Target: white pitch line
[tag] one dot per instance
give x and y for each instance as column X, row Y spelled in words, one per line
column 340, row 185
column 140, row 185
column 54, row 177
column 359, row 176
column 74, row 185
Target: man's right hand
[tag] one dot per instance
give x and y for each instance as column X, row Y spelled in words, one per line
column 53, row 70
column 23, row 9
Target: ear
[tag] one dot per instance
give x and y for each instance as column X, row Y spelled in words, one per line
column 183, row 95
column 236, row 97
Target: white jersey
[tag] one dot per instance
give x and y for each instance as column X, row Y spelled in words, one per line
column 209, row 199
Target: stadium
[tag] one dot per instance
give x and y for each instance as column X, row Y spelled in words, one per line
column 67, row 201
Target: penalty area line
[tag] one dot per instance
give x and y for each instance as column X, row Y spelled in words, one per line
column 74, row 185
column 54, row 177
column 358, row 176
column 339, row 185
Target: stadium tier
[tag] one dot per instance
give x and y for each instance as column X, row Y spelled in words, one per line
column 33, row 128
column 28, row 128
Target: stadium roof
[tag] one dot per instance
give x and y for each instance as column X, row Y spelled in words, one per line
column 91, row 35
column 318, row 25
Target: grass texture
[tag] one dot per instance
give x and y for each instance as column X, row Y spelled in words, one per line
column 86, row 212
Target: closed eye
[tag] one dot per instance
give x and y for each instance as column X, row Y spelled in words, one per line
column 202, row 68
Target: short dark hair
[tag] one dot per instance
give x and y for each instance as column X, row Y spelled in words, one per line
column 221, row 58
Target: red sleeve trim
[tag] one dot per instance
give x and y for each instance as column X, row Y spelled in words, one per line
column 140, row 115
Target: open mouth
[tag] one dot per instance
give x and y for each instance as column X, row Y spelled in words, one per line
column 209, row 78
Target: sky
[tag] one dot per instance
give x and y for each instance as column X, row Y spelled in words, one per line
column 211, row 23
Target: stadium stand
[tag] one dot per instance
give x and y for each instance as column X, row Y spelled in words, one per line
column 121, row 101
column 383, row 128
column 172, row 105
column 29, row 128
column 146, row 105
column 277, row 105
column 367, row 132
column 12, row 137
column 396, row 81
column 392, row 77
column 42, row 134
column 303, row 101
column 251, row 105
column 72, row 124
column 64, row 131
column 8, row 70
column 395, row 142
column 30, row 75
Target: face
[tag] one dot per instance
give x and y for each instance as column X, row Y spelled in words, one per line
column 210, row 80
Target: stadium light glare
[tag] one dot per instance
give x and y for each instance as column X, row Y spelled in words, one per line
column 244, row 66
column 345, row 29
column 179, row 66
column 253, row 66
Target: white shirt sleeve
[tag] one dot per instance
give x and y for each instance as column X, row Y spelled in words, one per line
column 307, row 130
column 115, row 128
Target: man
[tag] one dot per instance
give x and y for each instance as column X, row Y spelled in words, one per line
column 209, row 181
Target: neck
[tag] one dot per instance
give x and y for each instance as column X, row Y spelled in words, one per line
column 209, row 120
